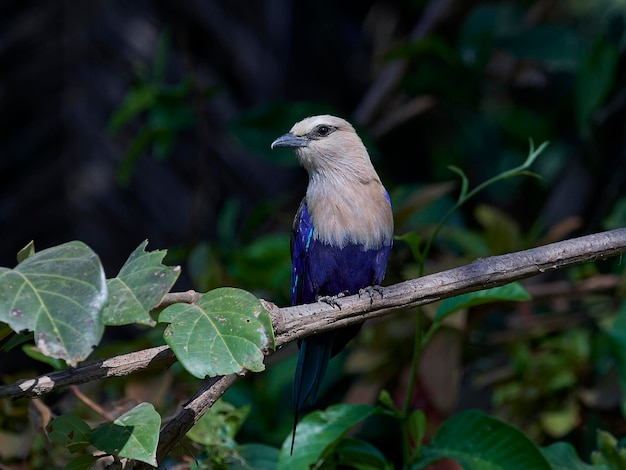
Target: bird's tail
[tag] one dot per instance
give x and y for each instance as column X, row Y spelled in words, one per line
column 315, row 352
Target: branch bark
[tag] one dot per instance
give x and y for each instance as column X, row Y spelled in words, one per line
column 292, row 323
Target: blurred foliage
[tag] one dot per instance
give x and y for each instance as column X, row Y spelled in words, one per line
column 500, row 73
column 167, row 107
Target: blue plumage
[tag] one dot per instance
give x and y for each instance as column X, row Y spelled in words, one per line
column 341, row 238
column 321, row 269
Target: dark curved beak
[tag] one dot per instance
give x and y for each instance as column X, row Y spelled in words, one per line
column 289, row 141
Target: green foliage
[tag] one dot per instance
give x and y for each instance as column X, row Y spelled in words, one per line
column 318, row 433
column 167, row 107
column 69, row 431
column 513, row 292
column 219, row 425
column 134, row 435
column 61, row 293
column 551, row 382
column 548, row 376
column 610, row 453
column 227, row 326
column 58, row 293
column 478, row 441
column 139, row 287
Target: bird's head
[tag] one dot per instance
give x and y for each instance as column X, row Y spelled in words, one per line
column 325, row 144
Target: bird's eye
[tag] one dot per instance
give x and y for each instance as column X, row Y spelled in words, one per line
column 323, row 130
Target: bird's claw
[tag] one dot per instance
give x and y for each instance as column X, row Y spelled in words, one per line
column 332, row 299
column 371, row 291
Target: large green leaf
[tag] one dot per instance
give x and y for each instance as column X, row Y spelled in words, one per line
column 319, row 432
column 58, row 293
column 223, row 333
column 134, row 435
column 139, row 287
column 479, row 442
column 513, row 292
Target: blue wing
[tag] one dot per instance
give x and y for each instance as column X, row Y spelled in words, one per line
column 320, row 269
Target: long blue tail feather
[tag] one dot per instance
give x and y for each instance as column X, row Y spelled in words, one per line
column 314, row 355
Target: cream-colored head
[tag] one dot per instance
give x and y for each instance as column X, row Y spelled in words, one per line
column 346, row 200
column 328, row 145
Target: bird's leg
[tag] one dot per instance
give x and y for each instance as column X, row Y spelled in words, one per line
column 370, row 291
column 332, row 299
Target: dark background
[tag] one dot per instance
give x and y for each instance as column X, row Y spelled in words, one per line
column 66, row 66
column 125, row 121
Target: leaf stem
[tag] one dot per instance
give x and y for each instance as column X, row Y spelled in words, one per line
column 422, row 338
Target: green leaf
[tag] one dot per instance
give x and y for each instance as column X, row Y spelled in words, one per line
column 359, row 454
column 16, row 339
column 319, row 432
column 82, row 462
column 69, row 431
column 58, row 293
column 6, row 331
column 416, row 426
column 385, row 399
column 139, row 287
column 137, row 100
column 31, row 351
column 223, row 333
column 562, row 456
column 26, row 252
column 513, row 292
column 255, row 456
column 219, row 425
column 609, row 452
column 134, row 435
column 479, row 442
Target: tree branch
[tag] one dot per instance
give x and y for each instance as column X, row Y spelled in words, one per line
column 126, row 364
column 294, row 323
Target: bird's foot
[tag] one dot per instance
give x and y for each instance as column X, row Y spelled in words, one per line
column 332, row 299
column 371, row 291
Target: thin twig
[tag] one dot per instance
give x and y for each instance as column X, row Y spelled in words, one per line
column 90, row 403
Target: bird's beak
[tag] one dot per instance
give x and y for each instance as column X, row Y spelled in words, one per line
column 289, row 141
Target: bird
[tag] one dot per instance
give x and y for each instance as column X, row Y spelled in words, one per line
column 341, row 237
